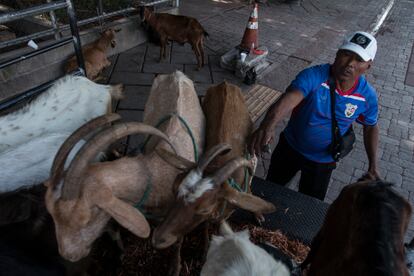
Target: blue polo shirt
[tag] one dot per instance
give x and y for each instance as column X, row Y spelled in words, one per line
column 309, row 128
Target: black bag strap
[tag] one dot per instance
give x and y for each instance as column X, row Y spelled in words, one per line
column 335, row 129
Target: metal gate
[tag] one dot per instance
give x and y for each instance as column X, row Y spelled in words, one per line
column 74, row 38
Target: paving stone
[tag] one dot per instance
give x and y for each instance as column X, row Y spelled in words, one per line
column 162, row 68
column 132, row 78
column 131, row 115
column 203, row 75
column 394, row 178
column 129, row 63
column 406, row 156
column 408, row 184
column 219, row 77
column 358, row 173
column 138, row 50
column 185, row 48
column 342, row 176
column 201, row 88
column 135, row 97
column 215, row 63
column 407, row 145
column 184, row 58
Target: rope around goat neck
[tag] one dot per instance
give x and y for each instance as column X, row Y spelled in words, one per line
column 148, row 188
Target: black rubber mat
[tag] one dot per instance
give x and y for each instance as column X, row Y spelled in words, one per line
column 298, row 216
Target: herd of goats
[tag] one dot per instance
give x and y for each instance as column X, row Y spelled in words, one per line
column 60, row 184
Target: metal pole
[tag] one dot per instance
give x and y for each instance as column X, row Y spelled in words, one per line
column 155, row 2
column 35, row 53
column 14, row 15
column 100, row 7
column 75, row 36
column 54, row 23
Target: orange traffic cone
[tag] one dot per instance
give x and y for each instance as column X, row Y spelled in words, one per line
column 250, row 38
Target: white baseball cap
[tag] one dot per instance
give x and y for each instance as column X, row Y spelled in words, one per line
column 361, row 43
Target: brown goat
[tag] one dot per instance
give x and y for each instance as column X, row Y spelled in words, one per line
column 198, row 200
column 178, row 28
column 362, row 234
column 83, row 199
column 94, row 55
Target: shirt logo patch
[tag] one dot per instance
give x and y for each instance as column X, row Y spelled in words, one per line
column 350, row 110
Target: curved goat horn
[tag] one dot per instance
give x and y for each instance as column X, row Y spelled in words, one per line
column 224, row 172
column 209, row 155
column 64, row 150
column 97, row 143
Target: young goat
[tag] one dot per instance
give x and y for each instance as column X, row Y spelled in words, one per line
column 94, row 55
column 178, row 28
column 199, row 199
column 362, row 234
column 83, row 200
column 31, row 136
column 233, row 254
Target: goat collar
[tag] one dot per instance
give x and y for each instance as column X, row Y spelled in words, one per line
column 146, row 194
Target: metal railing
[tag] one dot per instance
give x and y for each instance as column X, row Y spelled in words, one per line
column 15, row 15
column 56, row 31
column 66, row 27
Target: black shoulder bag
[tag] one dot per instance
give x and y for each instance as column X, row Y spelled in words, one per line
column 341, row 145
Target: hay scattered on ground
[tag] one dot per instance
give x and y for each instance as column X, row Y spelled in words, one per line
column 140, row 258
column 292, row 248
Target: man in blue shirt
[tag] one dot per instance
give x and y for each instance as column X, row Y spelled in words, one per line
column 305, row 143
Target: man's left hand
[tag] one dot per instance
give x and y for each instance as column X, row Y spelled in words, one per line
column 370, row 175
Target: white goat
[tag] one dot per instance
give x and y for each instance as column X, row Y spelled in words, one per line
column 31, row 136
column 29, row 164
column 233, row 254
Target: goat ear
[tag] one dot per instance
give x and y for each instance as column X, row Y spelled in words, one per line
column 174, row 160
column 125, row 214
column 247, row 201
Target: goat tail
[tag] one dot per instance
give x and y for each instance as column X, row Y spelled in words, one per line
column 225, row 229
column 117, row 91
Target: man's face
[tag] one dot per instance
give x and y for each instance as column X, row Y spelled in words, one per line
column 349, row 66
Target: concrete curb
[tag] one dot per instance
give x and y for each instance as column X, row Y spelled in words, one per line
column 374, row 27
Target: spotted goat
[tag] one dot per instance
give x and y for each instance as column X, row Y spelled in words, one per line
column 31, row 135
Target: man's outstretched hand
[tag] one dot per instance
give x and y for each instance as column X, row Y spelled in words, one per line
column 370, row 175
column 261, row 139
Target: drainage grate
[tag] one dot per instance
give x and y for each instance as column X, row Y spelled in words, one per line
column 298, row 216
column 259, row 99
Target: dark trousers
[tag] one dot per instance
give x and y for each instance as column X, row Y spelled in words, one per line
column 286, row 162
